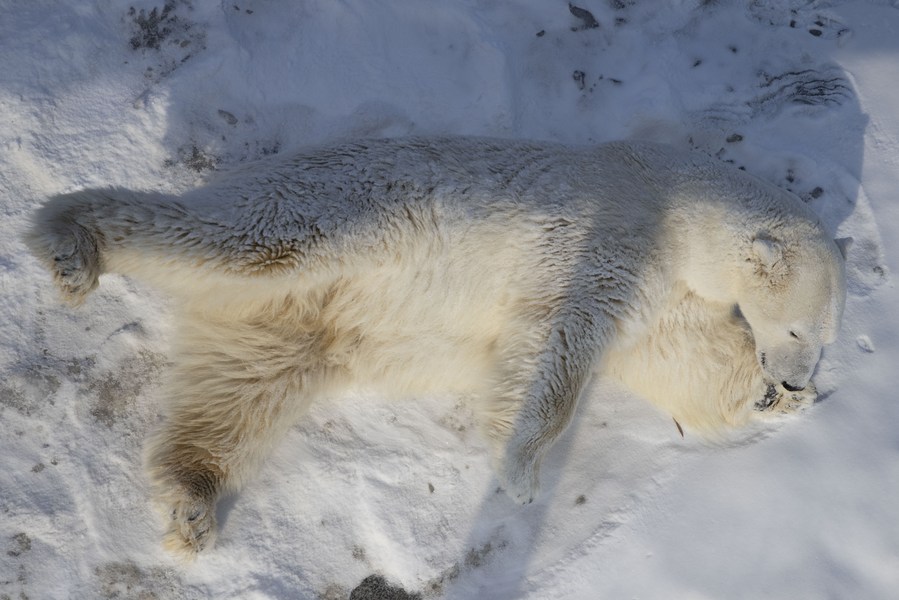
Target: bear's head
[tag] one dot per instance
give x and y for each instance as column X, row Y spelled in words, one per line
column 792, row 296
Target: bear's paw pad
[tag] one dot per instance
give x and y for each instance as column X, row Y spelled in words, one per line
column 780, row 401
column 191, row 529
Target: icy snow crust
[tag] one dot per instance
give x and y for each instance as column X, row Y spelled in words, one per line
column 386, row 499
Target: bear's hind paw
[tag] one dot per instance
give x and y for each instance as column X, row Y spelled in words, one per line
column 71, row 253
column 191, row 529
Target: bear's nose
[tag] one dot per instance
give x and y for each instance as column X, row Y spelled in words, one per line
column 790, row 388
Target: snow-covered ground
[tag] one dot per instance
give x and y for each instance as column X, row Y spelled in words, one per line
column 376, row 499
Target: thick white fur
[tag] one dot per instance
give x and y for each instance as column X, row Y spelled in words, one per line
column 501, row 269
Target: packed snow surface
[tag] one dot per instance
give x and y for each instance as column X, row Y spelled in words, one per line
column 374, row 498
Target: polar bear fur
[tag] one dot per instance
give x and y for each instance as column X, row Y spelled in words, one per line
column 504, row 270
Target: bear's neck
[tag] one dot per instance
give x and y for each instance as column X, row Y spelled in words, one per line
column 711, row 244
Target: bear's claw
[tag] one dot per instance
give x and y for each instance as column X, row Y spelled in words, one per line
column 779, row 400
column 191, row 528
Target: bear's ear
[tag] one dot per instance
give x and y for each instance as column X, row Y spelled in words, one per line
column 844, row 244
column 767, row 252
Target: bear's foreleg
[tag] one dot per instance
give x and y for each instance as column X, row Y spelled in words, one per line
column 533, row 401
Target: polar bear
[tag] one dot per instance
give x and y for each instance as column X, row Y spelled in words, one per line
column 505, row 270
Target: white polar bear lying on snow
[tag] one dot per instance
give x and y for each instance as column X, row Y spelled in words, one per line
column 506, row 270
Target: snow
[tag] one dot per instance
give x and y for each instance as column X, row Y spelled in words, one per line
column 105, row 92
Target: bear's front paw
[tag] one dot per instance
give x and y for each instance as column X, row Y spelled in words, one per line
column 191, row 527
column 780, row 401
column 519, row 476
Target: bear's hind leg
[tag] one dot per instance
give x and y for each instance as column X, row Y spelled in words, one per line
column 236, row 389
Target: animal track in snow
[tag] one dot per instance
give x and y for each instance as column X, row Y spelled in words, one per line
column 808, row 87
column 824, row 87
column 802, row 16
column 168, row 35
